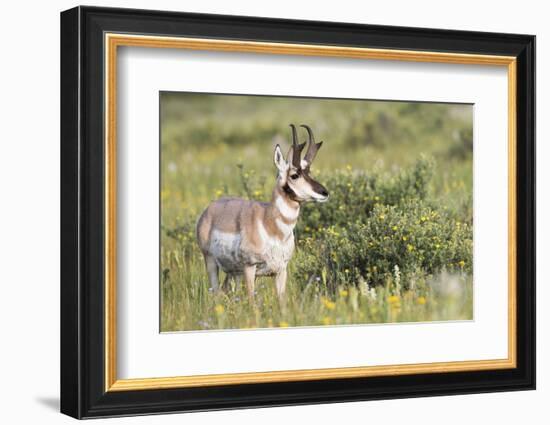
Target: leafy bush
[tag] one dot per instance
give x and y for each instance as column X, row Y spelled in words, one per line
column 412, row 236
column 355, row 194
column 374, row 223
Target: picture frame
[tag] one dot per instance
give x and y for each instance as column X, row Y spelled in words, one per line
column 90, row 40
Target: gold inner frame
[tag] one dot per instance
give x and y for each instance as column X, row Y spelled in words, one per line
column 113, row 41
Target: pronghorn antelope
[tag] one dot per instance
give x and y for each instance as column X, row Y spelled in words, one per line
column 251, row 238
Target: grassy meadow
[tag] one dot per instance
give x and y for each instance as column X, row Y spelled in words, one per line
column 392, row 244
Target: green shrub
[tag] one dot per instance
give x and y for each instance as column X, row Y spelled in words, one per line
column 376, row 222
column 412, row 236
column 354, row 195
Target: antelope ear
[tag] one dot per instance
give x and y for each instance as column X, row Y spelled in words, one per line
column 279, row 160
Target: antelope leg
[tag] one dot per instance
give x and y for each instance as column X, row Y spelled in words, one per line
column 249, row 273
column 226, row 286
column 212, row 269
column 280, row 283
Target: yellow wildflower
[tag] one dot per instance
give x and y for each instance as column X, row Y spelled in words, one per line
column 283, row 324
column 328, row 303
column 381, row 216
column 421, row 300
column 219, row 309
column 405, row 238
column 410, row 247
column 327, row 320
column 343, row 292
column 461, row 263
column 393, row 299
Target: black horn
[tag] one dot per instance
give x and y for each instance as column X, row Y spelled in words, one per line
column 296, row 148
column 312, row 146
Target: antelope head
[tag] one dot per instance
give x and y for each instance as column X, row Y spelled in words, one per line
column 294, row 173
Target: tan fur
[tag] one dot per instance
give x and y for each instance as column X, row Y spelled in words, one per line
column 235, row 215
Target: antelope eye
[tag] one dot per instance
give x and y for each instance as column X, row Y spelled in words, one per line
column 294, row 176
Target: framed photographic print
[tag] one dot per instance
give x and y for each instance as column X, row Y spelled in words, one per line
column 261, row 212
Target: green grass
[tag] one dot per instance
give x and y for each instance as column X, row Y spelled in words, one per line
column 393, row 244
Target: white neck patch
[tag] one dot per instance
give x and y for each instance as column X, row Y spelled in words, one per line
column 286, row 210
column 286, row 229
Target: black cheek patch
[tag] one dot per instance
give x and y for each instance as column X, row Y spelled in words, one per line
column 288, row 190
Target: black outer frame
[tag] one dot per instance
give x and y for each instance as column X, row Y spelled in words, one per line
column 82, row 217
